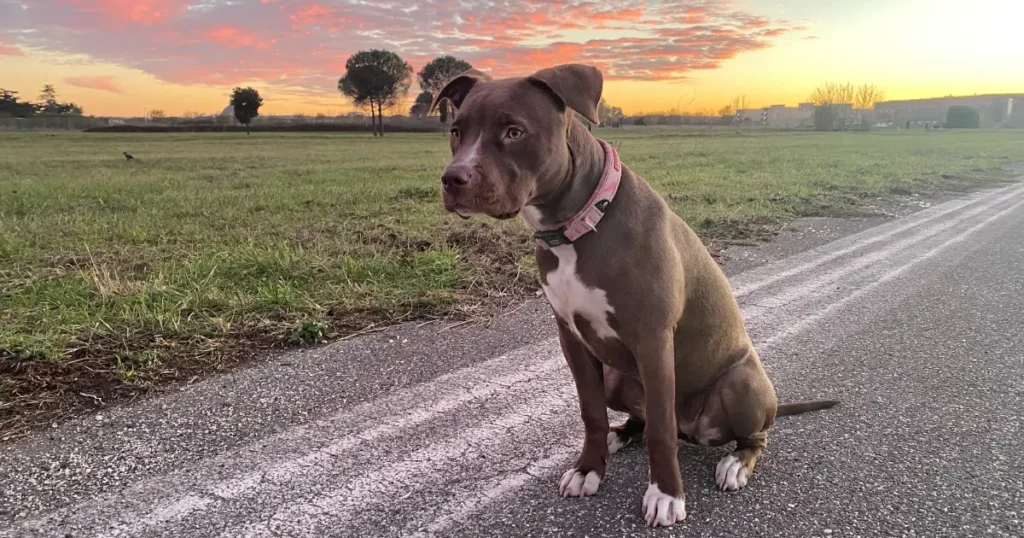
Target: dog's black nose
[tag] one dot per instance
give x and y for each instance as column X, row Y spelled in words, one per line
column 455, row 177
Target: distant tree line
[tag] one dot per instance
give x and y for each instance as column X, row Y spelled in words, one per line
column 380, row 79
column 11, row 105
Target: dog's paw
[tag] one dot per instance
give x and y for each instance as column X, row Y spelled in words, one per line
column 576, row 484
column 731, row 474
column 661, row 508
column 616, row 442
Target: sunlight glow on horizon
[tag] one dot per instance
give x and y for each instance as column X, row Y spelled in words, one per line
column 909, row 48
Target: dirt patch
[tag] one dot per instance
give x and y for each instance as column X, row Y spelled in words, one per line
column 104, row 369
column 499, row 259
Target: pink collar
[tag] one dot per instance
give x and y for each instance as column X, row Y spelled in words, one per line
column 592, row 213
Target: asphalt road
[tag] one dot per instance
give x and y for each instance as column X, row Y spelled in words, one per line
column 915, row 325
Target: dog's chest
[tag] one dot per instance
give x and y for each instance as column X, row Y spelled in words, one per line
column 570, row 297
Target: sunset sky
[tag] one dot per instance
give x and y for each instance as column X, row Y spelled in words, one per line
column 123, row 57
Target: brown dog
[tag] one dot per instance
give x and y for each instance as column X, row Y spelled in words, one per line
column 647, row 321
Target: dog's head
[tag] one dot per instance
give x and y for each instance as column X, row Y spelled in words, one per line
column 509, row 136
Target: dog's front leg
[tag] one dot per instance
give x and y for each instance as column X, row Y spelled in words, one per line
column 664, row 502
column 585, row 476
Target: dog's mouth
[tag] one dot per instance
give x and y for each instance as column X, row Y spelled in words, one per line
column 464, row 214
column 453, row 205
column 506, row 216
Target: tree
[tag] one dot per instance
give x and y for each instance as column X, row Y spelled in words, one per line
column 378, row 78
column 48, row 98
column 246, row 103
column 157, row 114
column 739, row 102
column 50, row 104
column 11, row 105
column 832, row 103
column 866, row 96
column 962, row 117
column 438, row 73
column 69, row 109
column 422, row 105
column 726, row 110
column 607, row 113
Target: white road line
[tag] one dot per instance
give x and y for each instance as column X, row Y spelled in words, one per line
column 826, row 253
column 469, row 502
column 536, row 364
column 806, row 287
column 433, row 463
column 438, row 397
column 812, row 319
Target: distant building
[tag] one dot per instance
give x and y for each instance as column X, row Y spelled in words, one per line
column 778, row 116
column 993, row 108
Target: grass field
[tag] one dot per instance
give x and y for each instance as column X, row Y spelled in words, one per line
column 212, row 248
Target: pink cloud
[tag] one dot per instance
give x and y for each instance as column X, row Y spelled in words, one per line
column 105, row 83
column 136, row 11
column 7, row 49
column 302, row 45
column 237, row 37
column 312, row 14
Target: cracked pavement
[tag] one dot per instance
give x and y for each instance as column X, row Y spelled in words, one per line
column 913, row 324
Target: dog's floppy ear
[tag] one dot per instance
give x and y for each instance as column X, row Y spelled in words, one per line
column 578, row 86
column 457, row 90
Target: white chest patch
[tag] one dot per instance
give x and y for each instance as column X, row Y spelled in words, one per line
column 569, row 296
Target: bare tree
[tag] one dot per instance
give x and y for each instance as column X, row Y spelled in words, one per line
column 739, row 102
column 836, row 102
column 831, row 93
column 867, row 95
column 726, row 110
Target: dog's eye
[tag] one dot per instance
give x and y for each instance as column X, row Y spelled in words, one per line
column 455, row 132
column 514, row 133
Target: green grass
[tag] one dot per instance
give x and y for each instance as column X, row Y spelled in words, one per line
column 212, row 246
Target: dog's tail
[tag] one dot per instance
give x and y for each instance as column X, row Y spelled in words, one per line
column 798, row 408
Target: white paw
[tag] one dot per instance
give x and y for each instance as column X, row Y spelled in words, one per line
column 661, row 508
column 731, row 474
column 615, row 443
column 576, row 484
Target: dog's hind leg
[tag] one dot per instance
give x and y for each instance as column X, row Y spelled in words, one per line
column 625, row 395
column 748, row 399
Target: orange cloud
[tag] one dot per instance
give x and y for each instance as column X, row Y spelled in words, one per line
column 232, row 36
column 105, row 83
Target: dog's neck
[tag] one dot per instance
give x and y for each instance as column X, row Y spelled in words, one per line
column 572, row 185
